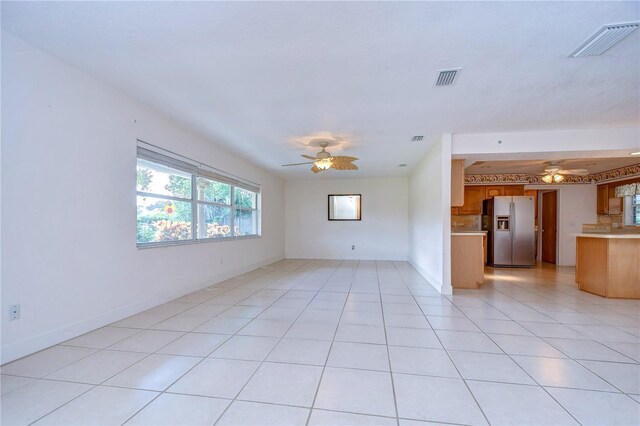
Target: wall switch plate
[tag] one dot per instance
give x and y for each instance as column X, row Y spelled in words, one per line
column 353, row 247
column 14, row 312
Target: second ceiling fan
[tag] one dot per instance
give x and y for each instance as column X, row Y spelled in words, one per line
column 324, row 161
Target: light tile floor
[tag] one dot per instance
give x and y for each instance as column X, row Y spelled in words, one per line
column 346, row 343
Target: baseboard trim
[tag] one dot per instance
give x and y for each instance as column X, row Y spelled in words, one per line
column 50, row 338
column 366, row 258
column 442, row 289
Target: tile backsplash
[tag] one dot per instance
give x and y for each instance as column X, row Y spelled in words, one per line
column 466, row 222
column 614, row 221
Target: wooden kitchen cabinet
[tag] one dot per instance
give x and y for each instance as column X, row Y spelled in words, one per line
column 475, row 194
column 514, row 190
column 615, row 204
column 494, row 191
column 607, row 202
column 473, row 197
column 603, row 199
column 457, row 183
column 467, row 265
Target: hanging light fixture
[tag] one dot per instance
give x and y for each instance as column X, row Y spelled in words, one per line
column 323, row 164
column 552, row 177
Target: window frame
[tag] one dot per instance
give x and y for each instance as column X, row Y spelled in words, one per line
column 635, row 205
column 198, row 170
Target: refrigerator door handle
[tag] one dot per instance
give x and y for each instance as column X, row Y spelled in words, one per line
column 512, row 211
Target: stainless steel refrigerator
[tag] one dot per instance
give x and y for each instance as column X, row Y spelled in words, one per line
column 510, row 223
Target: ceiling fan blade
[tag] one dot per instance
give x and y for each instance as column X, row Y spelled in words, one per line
column 578, row 172
column 297, row 164
column 343, row 159
column 309, row 157
column 344, row 166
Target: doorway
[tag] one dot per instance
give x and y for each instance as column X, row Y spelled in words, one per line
column 549, row 236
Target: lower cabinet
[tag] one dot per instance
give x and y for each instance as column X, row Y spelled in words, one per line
column 467, row 260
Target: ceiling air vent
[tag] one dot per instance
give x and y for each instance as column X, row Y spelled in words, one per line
column 447, row 77
column 417, row 138
column 603, row 39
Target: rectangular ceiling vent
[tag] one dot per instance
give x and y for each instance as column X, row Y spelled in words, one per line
column 417, row 138
column 447, row 77
column 604, row 39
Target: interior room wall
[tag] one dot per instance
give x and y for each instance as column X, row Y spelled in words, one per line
column 429, row 216
column 69, row 255
column 582, row 141
column 381, row 234
column 576, row 206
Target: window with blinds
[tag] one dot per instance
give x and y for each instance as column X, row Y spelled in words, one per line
column 180, row 200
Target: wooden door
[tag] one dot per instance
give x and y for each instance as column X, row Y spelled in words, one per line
column 549, row 226
column 494, row 191
column 473, row 197
column 513, row 190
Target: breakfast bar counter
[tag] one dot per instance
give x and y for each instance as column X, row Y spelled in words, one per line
column 609, row 264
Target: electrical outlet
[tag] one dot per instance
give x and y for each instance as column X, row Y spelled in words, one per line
column 353, row 247
column 14, row 312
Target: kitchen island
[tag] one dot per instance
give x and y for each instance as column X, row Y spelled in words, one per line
column 609, row 264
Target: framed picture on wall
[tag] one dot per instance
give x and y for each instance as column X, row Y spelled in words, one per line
column 345, row 206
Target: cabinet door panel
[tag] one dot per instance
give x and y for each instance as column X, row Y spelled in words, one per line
column 513, row 190
column 473, row 197
column 494, row 191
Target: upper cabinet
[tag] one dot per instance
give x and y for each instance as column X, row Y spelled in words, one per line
column 607, row 202
column 475, row 194
column 493, row 191
column 615, row 203
column 514, row 190
column 603, row 199
column 473, row 197
column 457, row 183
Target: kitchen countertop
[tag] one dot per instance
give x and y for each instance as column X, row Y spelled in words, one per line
column 465, row 233
column 605, row 235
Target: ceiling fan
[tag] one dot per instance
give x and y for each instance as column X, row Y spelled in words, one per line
column 324, row 161
column 556, row 174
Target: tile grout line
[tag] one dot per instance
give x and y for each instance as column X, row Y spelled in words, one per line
column 549, row 343
column 216, row 348
column 335, row 332
column 450, row 359
column 386, row 339
column 521, row 368
column 281, row 337
column 95, row 386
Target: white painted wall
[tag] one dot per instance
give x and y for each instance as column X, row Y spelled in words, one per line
column 430, row 216
column 381, row 234
column 73, row 265
column 576, row 206
column 582, row 142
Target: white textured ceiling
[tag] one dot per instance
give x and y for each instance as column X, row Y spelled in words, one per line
column 594, row 165
column 259, row 77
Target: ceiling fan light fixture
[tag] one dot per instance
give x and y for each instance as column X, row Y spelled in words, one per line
column 324, row 163
column 558, row 178
column 547, row 178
